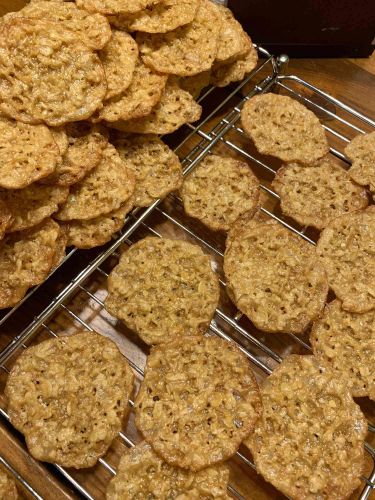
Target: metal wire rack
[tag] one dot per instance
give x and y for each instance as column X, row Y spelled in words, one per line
column 219, row 129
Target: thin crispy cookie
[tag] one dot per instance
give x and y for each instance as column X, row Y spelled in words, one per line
column 314, row 196
column 42, row 391
column 6, row 218
column 309, row 443
column 142, row 474
column 219, row 190
column 224, row 74
column 40, row 61
column 175, row 108
column 203, row 395
column 282, row 127
column 234, row 42
column 187, row 50
column 60, row 137
column 274, row 276
column 346, row 248
column 104, row 189
column 193, row 84
column 116, row 6
column 346, row 342
column 361, row 151
column 157, row 168
column 27, row 153
column 163, row 289
column 8, row 490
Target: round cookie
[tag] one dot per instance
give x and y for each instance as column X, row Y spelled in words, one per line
column 219, row 190
column 203, row 395
column 60, row 252
column 156, row 168
column 32, row 204
column 280, row 126
column 6, row 218
column 361, row 151
column 310, row 441
column 59, row 426
column 187, row 50
column 142, row 474
column 163, row 289
column 233, row 42
column 119, row 58
column 345, row 341
column 193, row 84
column 40, row 61
column 116, row 6
column 346, row 248
column 175, row 108
column 314, row 196
column 108, row 186
column 27, row 153
column 274, row 277
column 8, row 490
column 224, row 74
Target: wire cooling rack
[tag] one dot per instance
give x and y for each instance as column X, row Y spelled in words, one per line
column 77, row 302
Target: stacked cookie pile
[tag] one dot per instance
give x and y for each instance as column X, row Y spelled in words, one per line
column 70, row 70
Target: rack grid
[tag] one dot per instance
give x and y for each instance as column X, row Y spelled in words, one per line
column 86, row 291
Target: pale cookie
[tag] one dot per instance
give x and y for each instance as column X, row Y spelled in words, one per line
column 314, row 196
column 40, row 65
column 157, row 168
column 6, row 218
column 234, row 42
column 30, row 205
column 163, row 289
column 143, row 94
column 198, row 401
column 8, row 490
column 119, row 58
column 116, row 6
column 361, row 151
column 274, row 276
column 187, row 50
column 280, row 126
column 224, row 74
column 142, row 474
column 346, row 342
column 69, row 397
column 175, row 108
column 346, row 248
column 104, row 189
column 219, row 190
column 310, row 441
column 27, row 153
column 93, row 29
column 85, row 151
column 96, row 232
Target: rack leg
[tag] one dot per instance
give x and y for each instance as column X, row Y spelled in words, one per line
column 282, row 64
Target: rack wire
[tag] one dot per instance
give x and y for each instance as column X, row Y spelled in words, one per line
column 219, row 129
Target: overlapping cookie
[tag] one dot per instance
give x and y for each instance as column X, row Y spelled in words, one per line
column 361, row 151
column 8, row 490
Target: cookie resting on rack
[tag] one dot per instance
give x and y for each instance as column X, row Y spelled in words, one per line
column 219, row 190
column 226, row 73
column 163, row 289
column 8, row 490
column 69, row 397
column 274, row 277
column 346, row 249
column 142, row 474
column 309, row 442
column 345, row 342
column 361, row 151
column 198, row 401
column 280, row 126
column 234, row 43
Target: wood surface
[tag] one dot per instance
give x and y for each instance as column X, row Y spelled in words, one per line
column 351, row 80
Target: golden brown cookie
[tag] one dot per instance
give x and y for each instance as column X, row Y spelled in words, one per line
column 32, row 204
column 233, row 42
column 27, row 153
column 142, row 474
column 310, row 441
column 274, row 276
column 204, row 398
column 224, row 74
column 163, row 289
column 280, row 126
column 345, row 341
column 119, row 58
column 60, row 137
column 40, row 61
column 60, row 252
column 6, row 218
column 175, row 108
column 8, row 490
column 315, row 195
column 73, row 420
column 143, row 94
column 361, row 151
column 346, row 248
column 187, row 50
column 116, row 6
column 108, row 186
column 194, row 84
column 156, row 168
column 219, row 190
